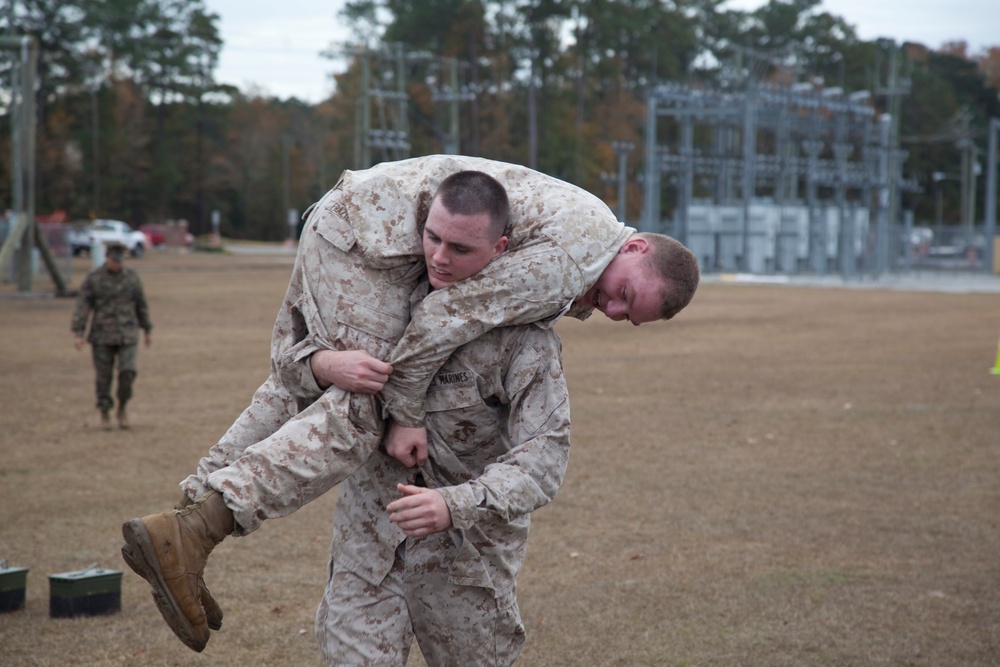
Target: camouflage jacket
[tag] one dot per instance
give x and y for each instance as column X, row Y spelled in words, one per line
column 498, row 432
column 561, row 238
column 118, row 305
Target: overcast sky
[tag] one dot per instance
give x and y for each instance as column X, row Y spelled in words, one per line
column 275, row 45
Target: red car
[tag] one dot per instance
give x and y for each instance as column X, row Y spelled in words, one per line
column 167, row 235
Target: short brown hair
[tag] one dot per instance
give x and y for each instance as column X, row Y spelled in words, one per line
column 677, row 266
column 473, row 192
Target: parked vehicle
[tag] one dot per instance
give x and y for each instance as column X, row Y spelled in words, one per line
column 172, row 236
column 82, row 239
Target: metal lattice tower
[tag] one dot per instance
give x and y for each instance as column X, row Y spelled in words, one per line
column 383, row 94
column 784, row 145
column 382, row 122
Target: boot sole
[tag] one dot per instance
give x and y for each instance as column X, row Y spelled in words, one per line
column 139, row 554
column 214, row 622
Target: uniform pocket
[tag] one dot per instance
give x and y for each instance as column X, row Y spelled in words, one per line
column 509, row 629
column 370, row 321
column 331, row 221
column 453, row 391
column 457, row 420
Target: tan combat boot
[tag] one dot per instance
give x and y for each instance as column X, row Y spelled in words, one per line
column 213, row 611
column 169, row 550
column 106, row 420
column 122, row 417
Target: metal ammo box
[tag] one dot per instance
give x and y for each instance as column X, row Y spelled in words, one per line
column 86, row 592
column 13, row 581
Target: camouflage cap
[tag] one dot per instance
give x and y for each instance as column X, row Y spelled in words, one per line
column 115, row 250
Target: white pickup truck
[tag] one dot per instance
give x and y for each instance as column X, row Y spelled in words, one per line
column 82, row 239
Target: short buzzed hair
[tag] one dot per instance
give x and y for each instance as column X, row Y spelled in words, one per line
column 677, row 266
column 474, row 192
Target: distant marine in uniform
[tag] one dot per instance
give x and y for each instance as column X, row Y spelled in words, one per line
column 111, row 299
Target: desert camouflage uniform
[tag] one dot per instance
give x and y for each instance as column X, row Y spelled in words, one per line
column 498, row 430
column 118, row 305
column 359, row 258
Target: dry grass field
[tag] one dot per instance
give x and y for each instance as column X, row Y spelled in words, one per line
column 783, row 476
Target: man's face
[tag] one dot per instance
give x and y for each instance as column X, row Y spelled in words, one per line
column 114, row 263
column 457, row 246
column 627, row 290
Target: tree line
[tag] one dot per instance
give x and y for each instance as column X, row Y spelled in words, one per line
column 132, row 124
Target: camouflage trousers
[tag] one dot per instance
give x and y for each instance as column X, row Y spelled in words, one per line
column 104, row 357
column 286, row 450
column 312, row 452
column 362, row 623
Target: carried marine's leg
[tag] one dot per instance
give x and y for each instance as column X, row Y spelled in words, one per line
column 169, row 550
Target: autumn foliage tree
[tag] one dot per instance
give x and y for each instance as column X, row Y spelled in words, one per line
column 132, row 124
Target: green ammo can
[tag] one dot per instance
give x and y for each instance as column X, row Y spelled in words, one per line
column 88, row 592
column 13, row 581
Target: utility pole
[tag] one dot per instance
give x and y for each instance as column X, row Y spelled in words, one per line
column 968, row 196
column 25, row 235
column 23, row 127
column 651, row 184
column 95, row 144
column 286, row 187
column 453, row 98
column 622, row 149
column 749, row 177
column 896, row 87
column 990, row 214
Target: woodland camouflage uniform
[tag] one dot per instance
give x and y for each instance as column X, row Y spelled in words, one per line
column 114, row 303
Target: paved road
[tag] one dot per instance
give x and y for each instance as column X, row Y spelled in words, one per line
column 916, row 281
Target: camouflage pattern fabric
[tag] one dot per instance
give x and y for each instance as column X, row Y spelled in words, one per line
column 498, row 429
column 286, row 450
column 350, row 288
column 358, row 623
column 114, row 304
column 104, row 357
column 116, row 301
column 561, row 240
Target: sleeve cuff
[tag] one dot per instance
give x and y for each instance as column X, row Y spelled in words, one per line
column 462, row 504
column 405, row 413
